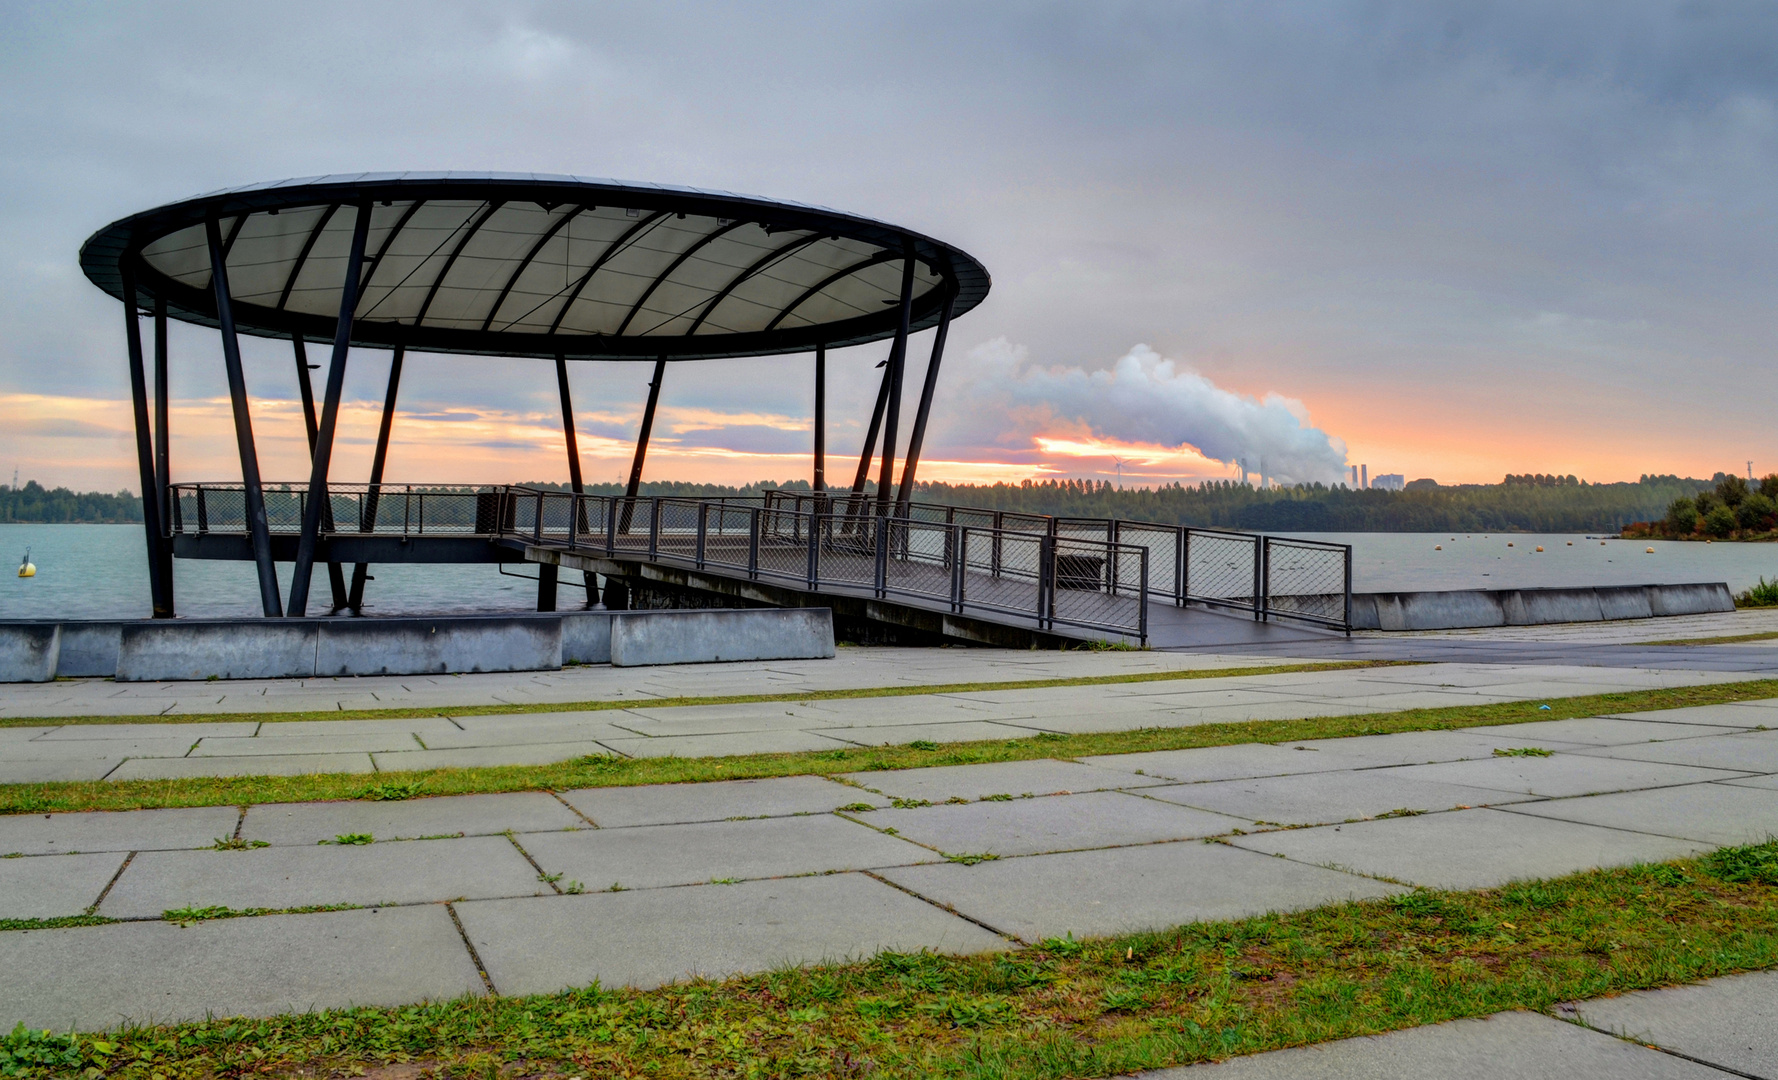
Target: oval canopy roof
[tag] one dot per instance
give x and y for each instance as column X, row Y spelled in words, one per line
column 522, row 264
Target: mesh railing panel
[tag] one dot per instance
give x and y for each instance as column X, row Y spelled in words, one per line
column 1220, row 568
column 1085, row 589
column 1307, row 580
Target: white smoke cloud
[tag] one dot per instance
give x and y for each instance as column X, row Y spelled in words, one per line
column 1147, row 398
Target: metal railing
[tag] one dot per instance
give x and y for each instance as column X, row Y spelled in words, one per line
column 1085, row 573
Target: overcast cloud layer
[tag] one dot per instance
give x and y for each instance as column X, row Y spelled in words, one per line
column 1468, row 238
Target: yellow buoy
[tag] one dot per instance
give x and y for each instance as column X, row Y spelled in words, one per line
column 1438, row 547
column 26, row 567
column 1509, row 543
column 1540, row 547
column 1570, row 543
column 1651, row 551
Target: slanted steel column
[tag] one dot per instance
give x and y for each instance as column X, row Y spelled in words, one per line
column 635, row 484
column 897, row 363
column 368, row 520
column 870, row 443
column 253, row 493
column 572, row 438
column 820, row 481
column 904, row 497
column 330, row 414
column 151, row 503
column 163, row 450
column 335, row 578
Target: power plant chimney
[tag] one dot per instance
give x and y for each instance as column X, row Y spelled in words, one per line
column 1364, row 477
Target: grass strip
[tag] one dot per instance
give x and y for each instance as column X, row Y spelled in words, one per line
column 1730, row 639
column 507, row 708
column 598, row 771
column 1063, row 1008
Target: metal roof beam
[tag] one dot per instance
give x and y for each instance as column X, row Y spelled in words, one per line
column 303, row 255
column 668, row 272
column 878, row 259
column 616, row 248
column 768, row 260
column 451, row 260
column 526, row 262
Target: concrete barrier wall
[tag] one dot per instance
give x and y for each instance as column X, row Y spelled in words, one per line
column 438, row 646
column 194, row 649
column 1467, row 608
column 29, row 651
column 712, row 634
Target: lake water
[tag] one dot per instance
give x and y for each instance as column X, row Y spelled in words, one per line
column 100, row 571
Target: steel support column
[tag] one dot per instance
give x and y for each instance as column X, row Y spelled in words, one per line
column 898, row 355
column 253, row 494
column 820, row 481
column 151, row 503
column 330, row 412
column 163, row 449
column 635, row 484
column 335, row 578
column 572, row 439
column 854, row 504
column 916, row 438
column 367, row 521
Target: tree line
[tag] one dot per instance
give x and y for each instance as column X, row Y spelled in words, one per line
column 32, row 502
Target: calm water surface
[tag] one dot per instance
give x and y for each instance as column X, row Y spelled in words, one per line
column 100, row 571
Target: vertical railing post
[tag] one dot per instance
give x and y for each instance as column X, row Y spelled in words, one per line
column 654, row 528
column 880, row 584
column 1142, row 617
column 995, row 548
column 1265, row 577
column 1182, row 551
column 1348, row 548
column 957, row 539
column 753, row 543
column 814, row 570
column 611, row 527
column 703, row 533
column 203, row 513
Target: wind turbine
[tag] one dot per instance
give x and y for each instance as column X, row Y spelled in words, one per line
column 1118, row 462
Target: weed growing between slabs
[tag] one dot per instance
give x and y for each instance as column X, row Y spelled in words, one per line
column 589, row 772
column 1062, row 1008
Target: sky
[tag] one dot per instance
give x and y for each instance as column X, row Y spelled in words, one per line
column 1444, row 240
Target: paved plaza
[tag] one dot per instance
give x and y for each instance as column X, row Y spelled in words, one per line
column 532, row 892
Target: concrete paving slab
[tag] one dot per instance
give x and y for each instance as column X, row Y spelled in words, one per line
column 1122, row 890
column 1053, row 823
column 1769, row 783
column 94, row 978
column 1727, row 1022
column 189, row 732
column 21, row 734
column 1326, row 798
column 416, row 871
column 519, row 732
column 648, row 938
column 1734, row 714
column 308, row 729
column 1044, row 776
column 649, row 856
column 1600, row 731
column 1466, row 849
column 665, row 804
column 43, row 772
column 954, row 732
column 127, row 830
column 480, row 757
column 1236, row 714
column 345, row 742
column 1559, row 775
column 264, row 765
column 713, row 719
column 1416, row 747
column 1235, row 762
column 1522, row 1045
column 284, row 824
column 757, row 742
column 51, row 886
column 76, row 749
column 1754, row 752
column 911, row 709
column 1719, row 814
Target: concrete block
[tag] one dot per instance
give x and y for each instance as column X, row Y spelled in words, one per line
column 663, row 804
column 51, row 886
column 1522, row 1045
column 1044, row 776
column 177, row 649
column 421, row 646
column 1056, row 823
column 89, row 649
column 1326, row 798
column 1560, row 775
column 93, row 978
column 1726, row 1022
column 1466, row 849
column 407, row 872
column 651, row 856
column 266, row 765
column 706, row 636
column 1720, row 814
column 1124, row 890
column 1438, row 610
column 646, row 939
column 29, row 651
column 1623, row 602
column 586, row 637
column 1695, row 599
column 1536, row 607
column 307, row 824
column 125, row 830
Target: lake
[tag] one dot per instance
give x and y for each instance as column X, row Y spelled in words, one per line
column 101, row 571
